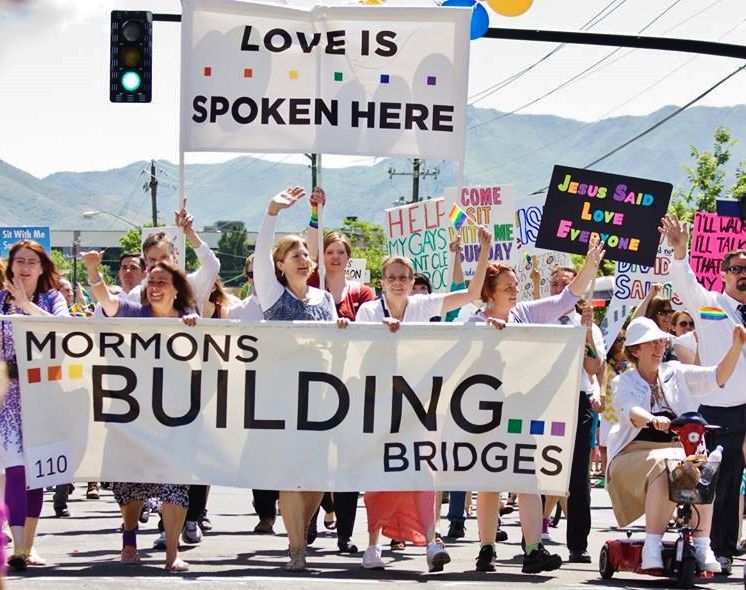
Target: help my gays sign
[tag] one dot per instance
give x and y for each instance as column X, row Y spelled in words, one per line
column 623, row 211
column 345, row 80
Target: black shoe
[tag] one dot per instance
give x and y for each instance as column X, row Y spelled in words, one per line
column 501, row 537
column 540, row 560
column 346, row 547
column 579, row 556
column 17, row 563
column 486, row 559
column 312, row 534
column 505, row 510
column 61, row 513
column 456, row 530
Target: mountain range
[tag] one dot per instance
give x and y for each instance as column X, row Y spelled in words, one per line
column 501, row 148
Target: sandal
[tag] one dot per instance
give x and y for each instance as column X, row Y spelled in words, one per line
column 33, row 558
column 179, row 565
column 330, row 525
column 397, row 545
column 130, row 555
column 17, row 563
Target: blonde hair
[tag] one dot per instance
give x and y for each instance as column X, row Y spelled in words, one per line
column 282, row 248
column 389, row 260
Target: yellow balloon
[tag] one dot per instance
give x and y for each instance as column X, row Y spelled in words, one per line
column 510, row 7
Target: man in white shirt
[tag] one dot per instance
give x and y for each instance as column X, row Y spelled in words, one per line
column 579, row 501
column 158, row 247
column 715, row 315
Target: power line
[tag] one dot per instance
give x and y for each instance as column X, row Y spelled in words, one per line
column 659, row 123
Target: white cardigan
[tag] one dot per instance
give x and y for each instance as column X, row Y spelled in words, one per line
column 680, row 383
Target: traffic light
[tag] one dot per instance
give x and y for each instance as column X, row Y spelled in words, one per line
column 130, row 76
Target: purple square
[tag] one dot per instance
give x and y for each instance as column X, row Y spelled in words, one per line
column 558, row 429
column 384, row 78
column 431, row 80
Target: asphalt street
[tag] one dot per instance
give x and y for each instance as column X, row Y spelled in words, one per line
column 83, row 552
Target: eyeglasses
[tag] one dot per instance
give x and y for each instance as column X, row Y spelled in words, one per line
column 399, row 279
column 736, row 269
column 249, row 274
column 665, row 311
column 32, row 262
column 686, row 324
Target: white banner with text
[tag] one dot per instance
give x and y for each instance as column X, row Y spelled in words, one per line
column 299, row 405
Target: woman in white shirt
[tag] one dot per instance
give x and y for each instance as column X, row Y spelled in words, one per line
column 396, row 511
column 645, row 400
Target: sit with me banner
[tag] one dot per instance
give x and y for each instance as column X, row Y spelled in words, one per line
column 299, row 406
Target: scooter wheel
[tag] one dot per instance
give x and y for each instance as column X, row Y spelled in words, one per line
column 604, row 563
column 687, row 572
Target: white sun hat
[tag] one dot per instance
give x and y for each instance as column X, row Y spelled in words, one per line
column 642, row 330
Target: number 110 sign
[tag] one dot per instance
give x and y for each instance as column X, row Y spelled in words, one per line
column 49, row 465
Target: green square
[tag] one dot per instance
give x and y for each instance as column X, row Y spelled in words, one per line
column 515, row 426
column 338, row 77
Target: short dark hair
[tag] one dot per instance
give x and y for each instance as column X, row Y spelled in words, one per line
column 137, row 255
column 421, row 279
column 154, row 240
column 569, row 269
column 725, row 264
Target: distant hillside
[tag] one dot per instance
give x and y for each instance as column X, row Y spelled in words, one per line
column 520, row 149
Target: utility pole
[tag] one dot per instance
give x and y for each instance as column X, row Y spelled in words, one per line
column 314, row 169
column 76, row 253
column 153, row 185
column 417, row 173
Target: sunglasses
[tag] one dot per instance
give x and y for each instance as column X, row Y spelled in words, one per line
column 736, row 269
column 665, row 311
column 249, row 274
column 686, row 324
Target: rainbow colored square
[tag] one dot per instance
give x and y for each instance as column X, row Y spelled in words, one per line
column 712, row 313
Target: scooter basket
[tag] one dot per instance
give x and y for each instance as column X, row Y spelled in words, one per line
column 701, row 494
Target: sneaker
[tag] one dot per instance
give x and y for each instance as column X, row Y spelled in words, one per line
column 486, row 559
column 545, row 536
column 437, row 557
column 456, row 530
column 540, row 560
column 372, row 558
column 144, row 513
column 160, row 543
column 706, row 560
column 726, row 565
column 265, row 526
column 652, row 555
column 92, row 492
column 191, row 534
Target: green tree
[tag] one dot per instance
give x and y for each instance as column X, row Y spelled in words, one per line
column 64, row 266
column 233, row 248
column 369, row 242
column 707, row 178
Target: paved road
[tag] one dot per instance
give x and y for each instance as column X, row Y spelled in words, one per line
column 83, row 553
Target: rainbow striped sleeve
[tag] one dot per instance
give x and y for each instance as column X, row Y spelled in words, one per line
column 457, row 217
column 712, row 313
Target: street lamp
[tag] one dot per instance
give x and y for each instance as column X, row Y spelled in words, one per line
column 92, row 214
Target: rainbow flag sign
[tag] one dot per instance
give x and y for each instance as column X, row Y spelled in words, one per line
column 457, row 217
column 712, row 313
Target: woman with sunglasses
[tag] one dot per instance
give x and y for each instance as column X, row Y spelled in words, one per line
column 31, row 289
column 685, row 343
column 659, row 309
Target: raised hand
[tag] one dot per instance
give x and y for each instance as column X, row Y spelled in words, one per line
column 455, row 245
column 485, row 237
column 739, row 335
column 285, row 199
column 596, row 251
column 92, row 259
column 677, row 234
column 318, row 196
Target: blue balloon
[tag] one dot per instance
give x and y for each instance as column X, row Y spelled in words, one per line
column 480, row 20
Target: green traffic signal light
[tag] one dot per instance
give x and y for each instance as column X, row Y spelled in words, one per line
column 131, row 81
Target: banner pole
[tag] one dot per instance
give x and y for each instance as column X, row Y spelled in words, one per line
column 182, row 194
column 320, row 236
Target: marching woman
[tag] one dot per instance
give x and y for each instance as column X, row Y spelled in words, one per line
column 500, row 294
column 31, row 289
column 281, row 275
column 348, row 297
column 410, row 516
column 168, row 295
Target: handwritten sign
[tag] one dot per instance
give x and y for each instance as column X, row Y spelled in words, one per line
column 545, row 264
column 528, row 213
column 418, row 231
column 623, row 211
column 492, row 207
column 713, row 237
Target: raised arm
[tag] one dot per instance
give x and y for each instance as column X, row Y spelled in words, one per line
column 461, row 298
column 655, row 290
column 203, row 278
column 318, row 197
column 108, row 301
column 728, row 363
column 590, row 267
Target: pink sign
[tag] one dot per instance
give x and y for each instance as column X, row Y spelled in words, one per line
column 712, row 238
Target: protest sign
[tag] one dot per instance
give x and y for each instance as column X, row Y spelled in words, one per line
column 345, row 80
column 301, row 406
column 419, row 232
column 175, row 235
column 528, row 212
column 632, row 283
column 545, row 264
column 623, row 211
column 11, row 235
column 491, row 207
column 713, row 236
column 356, row 271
